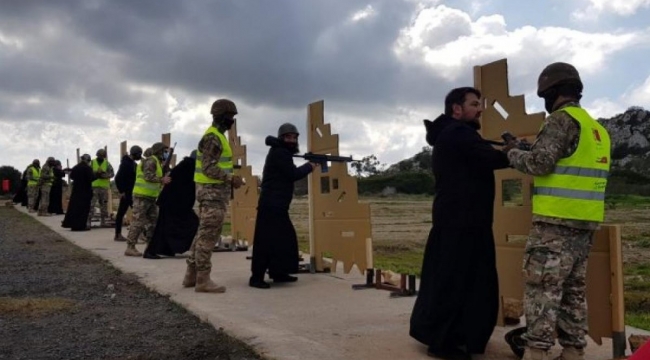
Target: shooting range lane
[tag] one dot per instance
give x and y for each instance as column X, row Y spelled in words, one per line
column 318, row 317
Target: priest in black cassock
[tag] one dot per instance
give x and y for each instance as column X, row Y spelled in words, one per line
column 21, row 194
column 56, row 192
column 76, row 218
column 177, row 222
column 275, row 244
column 457, row 304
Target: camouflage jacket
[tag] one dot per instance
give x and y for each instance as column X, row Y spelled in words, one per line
column 47, row 174
column 557, row 139
column 149, row 167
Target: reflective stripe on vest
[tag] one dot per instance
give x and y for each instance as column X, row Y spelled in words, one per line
column 576, row 188
column 143, row 187
column 100, row 183
column 36, row 175
column 225, row 161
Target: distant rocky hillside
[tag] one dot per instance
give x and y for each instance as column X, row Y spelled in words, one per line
column 630, row 134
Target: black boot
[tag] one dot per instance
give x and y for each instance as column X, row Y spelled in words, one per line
column 258, row 283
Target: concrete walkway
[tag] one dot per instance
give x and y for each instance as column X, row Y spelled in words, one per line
column 318, row 317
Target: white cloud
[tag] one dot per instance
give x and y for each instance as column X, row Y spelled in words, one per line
column 362, row 14
column 606, row 107
column 640, row 96
column 619, row 7
column 449, row 42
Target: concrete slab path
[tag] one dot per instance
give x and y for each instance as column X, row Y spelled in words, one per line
column 318, row 317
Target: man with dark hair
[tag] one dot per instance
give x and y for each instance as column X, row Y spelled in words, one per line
column 275, row 246
column 570, row 162
column 457, row 304
column 125, row 181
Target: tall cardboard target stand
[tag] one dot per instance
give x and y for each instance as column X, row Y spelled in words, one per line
column 512, row 222
column 339, row 226
column 243, row 205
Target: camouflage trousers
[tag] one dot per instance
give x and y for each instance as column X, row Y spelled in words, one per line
column 32, row 196
column 45, row 198
column 99, row 195
column 555, row 271
column 145, row 214
column 212, row 211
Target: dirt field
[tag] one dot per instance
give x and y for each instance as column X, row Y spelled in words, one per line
column 58, row 301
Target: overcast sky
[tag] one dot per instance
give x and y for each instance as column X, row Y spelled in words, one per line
column 89, row 73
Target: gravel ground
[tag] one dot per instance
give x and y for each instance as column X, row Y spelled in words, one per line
column 58, row 301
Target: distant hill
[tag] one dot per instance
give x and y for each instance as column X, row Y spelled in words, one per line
column 629, row 131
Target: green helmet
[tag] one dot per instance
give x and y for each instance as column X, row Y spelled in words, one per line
column 101, row 152
column 557, row 74
column 147, row 152
column 158, row 148
column 287, row 128
column 223, row 106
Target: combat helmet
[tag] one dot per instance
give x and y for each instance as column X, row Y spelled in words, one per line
column 287, row 128
column 223, row 106
column 557, row 74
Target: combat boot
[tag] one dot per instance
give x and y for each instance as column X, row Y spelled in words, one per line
column 190, row 276
column 119, row 237
column 571, row 353
column 205, row 284
column 132, row 251
column 535, row 354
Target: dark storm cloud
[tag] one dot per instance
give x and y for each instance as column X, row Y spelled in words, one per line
column 279, row 53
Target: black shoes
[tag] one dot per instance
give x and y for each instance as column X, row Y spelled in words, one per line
column 147, row 255
column 284, row 278
column 257, row 283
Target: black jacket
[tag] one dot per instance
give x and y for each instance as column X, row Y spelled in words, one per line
column 125, row 178
column 279, row 175
column 463, row 166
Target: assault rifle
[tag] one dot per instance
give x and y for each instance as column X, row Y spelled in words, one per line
column 508, row 138
column 324, row 159
column 521, row 144
column 168, row 161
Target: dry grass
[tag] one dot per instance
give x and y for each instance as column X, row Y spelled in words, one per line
column 33, row 307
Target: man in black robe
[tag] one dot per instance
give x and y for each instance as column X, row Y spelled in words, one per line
column 275, row 244
column 21, row 194
column 56, row 192
column 177, row 222
column 457, row 304
column 76, row 218
column 125, row 181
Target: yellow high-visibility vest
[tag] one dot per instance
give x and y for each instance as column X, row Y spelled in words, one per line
column 225, row 161
column 36, row 175
column 100, row 183
column 576, row 188
column 143, row 187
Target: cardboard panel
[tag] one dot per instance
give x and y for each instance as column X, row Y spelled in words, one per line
column 243, row 205
column 339, row 226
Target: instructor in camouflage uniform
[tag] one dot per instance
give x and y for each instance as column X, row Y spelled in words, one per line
column 103, row 171
column 149, row 179
column 45, row 185
column 570, row 163
column 33, row 174
column 213, row 177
